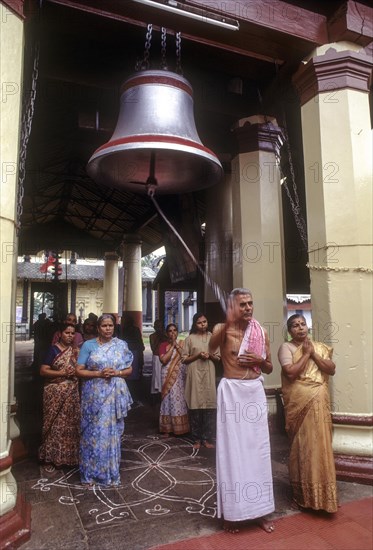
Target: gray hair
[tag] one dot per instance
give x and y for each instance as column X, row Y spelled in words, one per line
column 105, row 316
column 240, row 292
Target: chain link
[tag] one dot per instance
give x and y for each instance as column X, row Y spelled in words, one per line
column 145, row 64
column 27, row 117
column 163, row 48
column 178, row 53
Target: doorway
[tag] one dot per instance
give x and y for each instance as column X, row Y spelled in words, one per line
column 49, row 298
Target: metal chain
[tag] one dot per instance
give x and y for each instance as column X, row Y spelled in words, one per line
column 27, row 116
column 294, row 202
column 144, row 64
column 178, row 53
column 163, row 48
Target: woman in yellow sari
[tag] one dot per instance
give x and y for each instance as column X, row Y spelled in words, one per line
column 306, row 367
column 173, row 417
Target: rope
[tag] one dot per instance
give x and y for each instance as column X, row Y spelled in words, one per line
column 218, row 292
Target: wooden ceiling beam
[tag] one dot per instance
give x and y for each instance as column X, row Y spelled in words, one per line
column 353, row 22
column 278, row 15
column 264, row 26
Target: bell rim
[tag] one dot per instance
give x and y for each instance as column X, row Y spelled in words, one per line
column 206, row 162
column 154, row 142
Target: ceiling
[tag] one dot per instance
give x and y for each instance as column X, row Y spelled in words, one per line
column 87, row 49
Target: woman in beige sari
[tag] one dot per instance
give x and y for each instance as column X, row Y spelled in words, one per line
column 306, row 367
column 200, row 386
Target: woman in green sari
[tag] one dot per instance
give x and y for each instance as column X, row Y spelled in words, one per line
column 306, row 367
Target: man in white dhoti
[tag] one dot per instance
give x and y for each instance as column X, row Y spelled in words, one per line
column 243, row 459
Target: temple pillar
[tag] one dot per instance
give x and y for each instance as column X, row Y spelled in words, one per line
column 132, row 293
column 111, row 278
column 257, row 226
column 149, row 302
column 25, row 293
column 333, row 85
column 218, row 248
column 73, row 288
column 14, row 513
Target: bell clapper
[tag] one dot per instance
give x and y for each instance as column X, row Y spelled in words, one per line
column 151, row 188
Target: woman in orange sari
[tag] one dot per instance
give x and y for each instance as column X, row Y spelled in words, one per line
column 306, row 367
column 174, row 411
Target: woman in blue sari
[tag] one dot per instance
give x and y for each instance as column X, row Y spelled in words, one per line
column 103, row 364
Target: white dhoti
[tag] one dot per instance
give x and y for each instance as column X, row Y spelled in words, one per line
column 243, row 457
column 156, row 383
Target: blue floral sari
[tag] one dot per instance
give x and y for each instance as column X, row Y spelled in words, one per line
column 104, row 405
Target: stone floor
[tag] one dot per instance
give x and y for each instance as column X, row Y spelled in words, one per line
column 167, row 492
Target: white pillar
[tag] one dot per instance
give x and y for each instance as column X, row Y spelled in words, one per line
column 132, row 294
column 257, row 226
column 13, row 515
column 111, row 277
column 337, row 143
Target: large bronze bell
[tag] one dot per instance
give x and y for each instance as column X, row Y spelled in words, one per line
column 155, row 141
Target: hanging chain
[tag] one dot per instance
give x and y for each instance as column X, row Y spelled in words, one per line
column 163, row 49
column 294, row 202
column 178, row 53
column 144, row 64
column 27, row 116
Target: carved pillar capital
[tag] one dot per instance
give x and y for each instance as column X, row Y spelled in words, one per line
column 332, row 71
column 257, row 133
column 132, row 238
column 111, row 256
